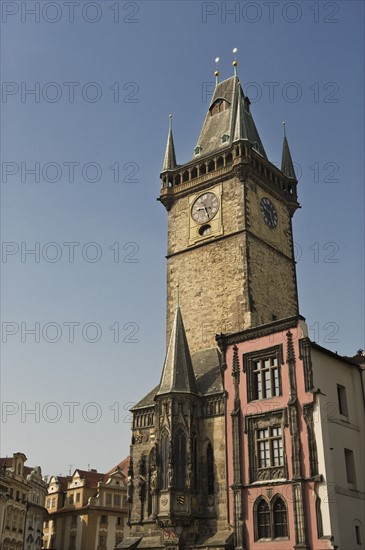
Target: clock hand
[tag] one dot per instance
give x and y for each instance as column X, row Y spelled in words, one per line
column 268, row 212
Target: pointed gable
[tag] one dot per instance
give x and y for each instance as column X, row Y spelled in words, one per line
column 178, row 374
column 245, row 127
column 228, row 119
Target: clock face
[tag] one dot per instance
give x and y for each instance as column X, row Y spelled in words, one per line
column 268, row 212
column 205, row 207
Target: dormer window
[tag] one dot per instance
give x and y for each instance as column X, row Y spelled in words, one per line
column 218, row 106
column 225, row 138
column 197, row 150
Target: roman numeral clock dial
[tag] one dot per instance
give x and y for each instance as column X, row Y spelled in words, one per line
column 205, row 208
column 268, row 212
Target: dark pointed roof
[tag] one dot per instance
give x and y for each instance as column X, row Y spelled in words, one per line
column 169, row 161
column 287, row 166
column 236, row 121
column 178, row 374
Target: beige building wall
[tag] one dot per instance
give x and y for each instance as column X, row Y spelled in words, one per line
column 87, row 513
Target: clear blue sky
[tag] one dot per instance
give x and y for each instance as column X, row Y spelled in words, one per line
column 301, row 62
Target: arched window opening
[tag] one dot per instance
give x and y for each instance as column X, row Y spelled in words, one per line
column 220, row 162
column 179, row 460
column 358, row 532
column 263, row 520
column 185, row 176
column 194, row 173
column 177, row 180
column 211, row 166
column 202, row 169
column 229, row 159
column 218, row 106
column 210, row 469
column 280, row 519
column 205, row 230
column 164, row 459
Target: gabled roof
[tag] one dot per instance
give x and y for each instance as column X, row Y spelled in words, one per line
column 236, row 121
column 62, row 481
column 92, row 478
column 178, row 374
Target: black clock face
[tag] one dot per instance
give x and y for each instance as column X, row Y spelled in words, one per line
column 268, row 212
column 205, row 207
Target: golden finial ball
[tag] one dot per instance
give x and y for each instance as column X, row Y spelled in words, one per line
column 216, row 73
column 235, row 63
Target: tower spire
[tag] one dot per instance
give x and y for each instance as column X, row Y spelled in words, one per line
column 169, row 162
column 287, row 166
column 178, row 373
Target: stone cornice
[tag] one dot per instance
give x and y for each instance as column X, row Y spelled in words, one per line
column 257, row 332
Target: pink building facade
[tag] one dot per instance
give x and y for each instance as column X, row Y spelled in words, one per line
column 275, row 488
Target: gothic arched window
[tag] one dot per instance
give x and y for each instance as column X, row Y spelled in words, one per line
column 263, row 520
column 179, row 460
column 164, row 459
column 210, row 469
column 280, row 518
column 194, row 453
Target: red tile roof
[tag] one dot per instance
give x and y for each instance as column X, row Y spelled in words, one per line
column 6, row 462
column 122, row 466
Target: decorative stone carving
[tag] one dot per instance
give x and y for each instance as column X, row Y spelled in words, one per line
column 305, row 355
column 290, row 358
column 312, row 445
column 154, row 481
column 296, row 447
column 299, row 515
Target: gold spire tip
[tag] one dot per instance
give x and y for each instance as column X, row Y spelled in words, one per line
column 284, row 126
column 216, row 72
column 235, row 62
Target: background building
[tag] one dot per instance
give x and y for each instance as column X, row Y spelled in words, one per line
column 22, row 510
column 87, row 510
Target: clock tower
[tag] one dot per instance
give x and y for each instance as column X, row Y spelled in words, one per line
column 230, row 243
column 230, row 252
